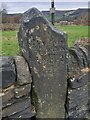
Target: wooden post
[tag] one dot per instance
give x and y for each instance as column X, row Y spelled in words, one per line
column 52, row 11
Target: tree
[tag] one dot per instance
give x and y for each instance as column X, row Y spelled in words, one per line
column 3, row 9
column 3, row 13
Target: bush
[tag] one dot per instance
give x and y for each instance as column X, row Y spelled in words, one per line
column 9, row 26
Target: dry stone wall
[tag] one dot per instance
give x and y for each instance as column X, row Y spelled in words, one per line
column 16, row 87
column 78, row 78
column 48, row 80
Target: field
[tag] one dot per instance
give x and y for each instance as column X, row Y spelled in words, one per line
column 75, row 32
column 9, row 41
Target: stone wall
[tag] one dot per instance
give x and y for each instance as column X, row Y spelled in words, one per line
column 47, row 80
column 78, row 79
column 16, row 88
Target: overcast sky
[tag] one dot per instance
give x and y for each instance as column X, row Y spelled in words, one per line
column 20, row 6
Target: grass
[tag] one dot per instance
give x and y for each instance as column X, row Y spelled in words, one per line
column 9, row 41
column 74, row 32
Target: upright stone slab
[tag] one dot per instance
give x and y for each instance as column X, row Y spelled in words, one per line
column 44, row 48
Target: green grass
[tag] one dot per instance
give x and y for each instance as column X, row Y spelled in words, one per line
column 9, row 41
column 74, row 32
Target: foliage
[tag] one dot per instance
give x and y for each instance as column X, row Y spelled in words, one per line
column 9, row 26
column 3, row 8
column 11, row 18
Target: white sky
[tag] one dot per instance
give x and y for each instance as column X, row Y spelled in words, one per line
column 44, row 0
column 20, row 6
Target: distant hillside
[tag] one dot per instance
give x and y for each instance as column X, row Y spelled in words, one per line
column 80, row 15
column 68, row 15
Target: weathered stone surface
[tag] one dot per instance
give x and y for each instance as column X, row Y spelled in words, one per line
column 89, row 105
column 79, row 81
column 78, row 56
column 23, row 73
column 0, row 115
column 7, row 95
column 88, row 76
column 78, row 113
column 89, row 96
column 78, row 91
column 77, row 98
column 0, row 102
column 7, row 68
column 16, row 107
column 78, row 78
column 73, row 70
column 21, row 91
column 27, row 113
column 88, row 49
column 10, row 102
column 45, row 50
column 85, row 54
column 77, row 103
column 14, row 100
column 89, row 90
